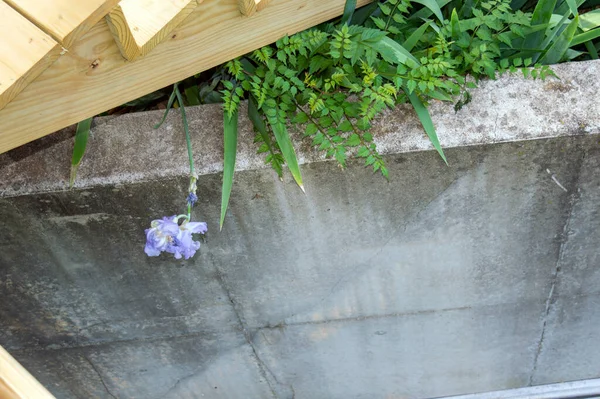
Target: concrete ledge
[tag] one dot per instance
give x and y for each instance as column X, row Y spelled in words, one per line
column 127, row 149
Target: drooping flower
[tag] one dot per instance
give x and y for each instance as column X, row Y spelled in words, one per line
column 166, row 235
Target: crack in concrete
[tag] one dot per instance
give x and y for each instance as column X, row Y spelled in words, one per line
column 573, row 198
column 99, row 376
column 361, row 318
column 265, row 371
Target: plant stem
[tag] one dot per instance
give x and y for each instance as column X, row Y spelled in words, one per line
column 188, row 141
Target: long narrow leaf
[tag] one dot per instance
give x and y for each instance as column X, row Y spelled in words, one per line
column 426, row 12
column 592, row 50
column 586, row 36
column 590, row 20
column 169, row 105
column 81, row 138
column 230, row 129
column 348, row 11
column 427, row 123
column 572, row 5
column 560, row 46
column 393, row 52
column 433, row 6
column 363, row 13
column 541, row 15
column 416, row 35
column 557, row 30
column 285, row 144
column 258, row 122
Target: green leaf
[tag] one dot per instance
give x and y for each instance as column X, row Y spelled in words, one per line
column 454, row 24
column 572, row 7
column 541, row 15
column 393, row 52
column 426, row 12
column 427, row 123
column 560, row 46
column 230, row 129
column 413, row 39
column 81, row 138
column 287, row 148
column 348, row 11
column 586, row 36
column 345, row 126
column 192, row 95
column 433, row 6
column 169, row 105
column 589, row 20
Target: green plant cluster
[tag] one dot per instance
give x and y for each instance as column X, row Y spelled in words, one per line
column 329, row 83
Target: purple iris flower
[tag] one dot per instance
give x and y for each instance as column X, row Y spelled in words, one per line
column 167, row 235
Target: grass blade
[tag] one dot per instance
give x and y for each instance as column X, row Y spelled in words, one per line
column 560, row 46
column 285, row 143
column 348, row 11
column 230, row 130
column 427, row 123
column 416, row 35
column 592, row 50
column 81, row 138
column 541, row 15
column 433, row 6
column 169, row 105
column 586, row 36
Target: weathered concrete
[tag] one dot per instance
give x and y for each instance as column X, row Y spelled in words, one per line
column 445, row 280
column 128, row 149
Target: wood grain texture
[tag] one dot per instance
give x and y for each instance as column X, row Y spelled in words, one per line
column 64, row 20
column 25, row 52
column 140, row 25
column 93, row 76
column 249, row 7
column 16, row 382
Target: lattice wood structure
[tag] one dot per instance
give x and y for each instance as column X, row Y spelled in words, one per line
column 62, row 61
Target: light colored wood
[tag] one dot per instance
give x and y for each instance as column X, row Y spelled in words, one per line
column 249, row 7
column 25, row 52
column 262, row 4
column 93, row 76
column 16, row 382
column 139, row 25
column 64, row 20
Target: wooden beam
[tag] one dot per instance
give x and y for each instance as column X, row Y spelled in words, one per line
column 64, row 20
column 16, row 382
column 249, row 7
column 93, row 76
column 139, row 25
column 25, row 53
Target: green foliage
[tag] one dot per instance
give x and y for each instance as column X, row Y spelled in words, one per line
column 81, row 138
column 230, row 123
column 333, row 81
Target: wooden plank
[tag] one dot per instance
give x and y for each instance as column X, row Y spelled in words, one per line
column 93, row 76
column 64, row 20
column 249, row 7
column 16, row 382
column 25, row 52
column 139, row 25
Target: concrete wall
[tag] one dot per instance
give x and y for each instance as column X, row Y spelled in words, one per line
column 479, row 276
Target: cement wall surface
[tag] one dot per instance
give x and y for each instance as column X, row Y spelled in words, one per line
column 478, row 276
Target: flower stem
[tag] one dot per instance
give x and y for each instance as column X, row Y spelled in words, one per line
column 188, row 140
